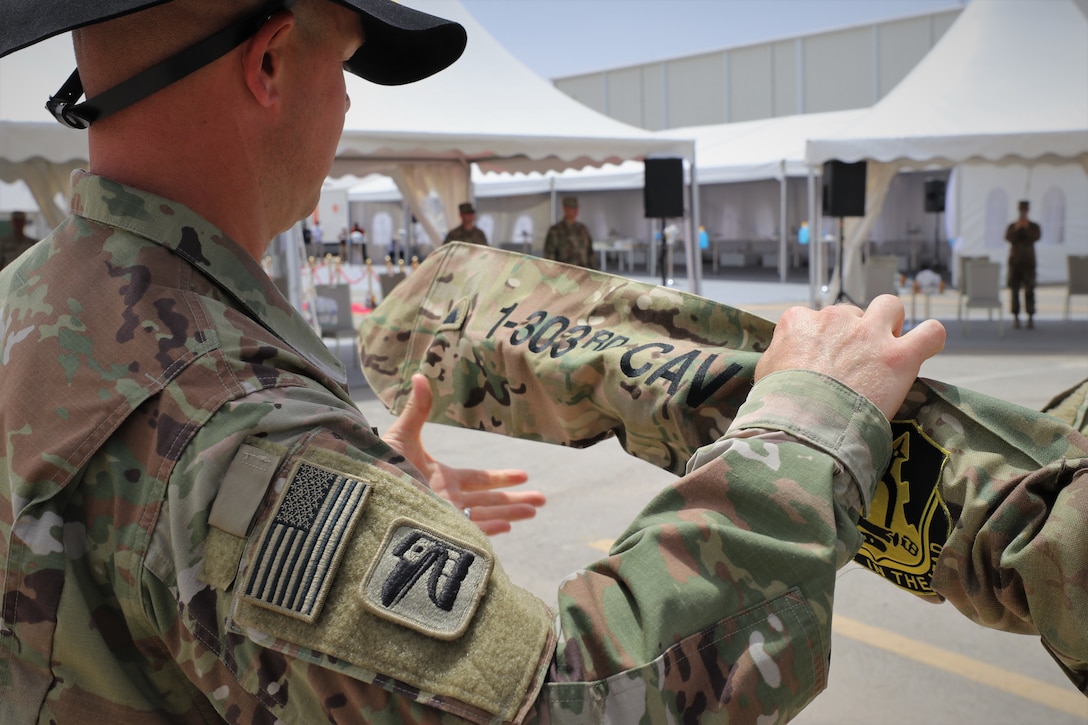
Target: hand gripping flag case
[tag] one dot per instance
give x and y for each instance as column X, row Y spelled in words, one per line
column 546, row 351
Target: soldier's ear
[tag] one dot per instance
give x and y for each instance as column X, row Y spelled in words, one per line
column 264, row 56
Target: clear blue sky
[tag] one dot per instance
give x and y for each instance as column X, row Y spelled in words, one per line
column 566, row 37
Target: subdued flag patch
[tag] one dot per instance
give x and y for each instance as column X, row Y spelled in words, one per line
column 426, row 581
column 301, row 547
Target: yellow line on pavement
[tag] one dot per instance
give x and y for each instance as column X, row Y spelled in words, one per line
column 1029, row 688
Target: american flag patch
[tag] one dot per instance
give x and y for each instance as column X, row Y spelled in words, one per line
column 301, row 547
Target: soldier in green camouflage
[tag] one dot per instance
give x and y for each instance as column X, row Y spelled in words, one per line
column 569, row 240
column 197, row 524
column 467, row 231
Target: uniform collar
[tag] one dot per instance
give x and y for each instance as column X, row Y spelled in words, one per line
column 182, row 231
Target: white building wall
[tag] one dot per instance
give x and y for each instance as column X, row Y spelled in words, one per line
column 830, row 71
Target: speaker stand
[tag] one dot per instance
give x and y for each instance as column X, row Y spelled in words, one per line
column 842, row 296
column 664, row 258
column 937, row 266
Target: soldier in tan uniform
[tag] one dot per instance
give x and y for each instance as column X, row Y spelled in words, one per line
column 467, row 231
column 569, row 240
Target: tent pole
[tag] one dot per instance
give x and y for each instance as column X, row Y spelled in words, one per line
column 815, row 243
column 783, row 243
column 695, row 255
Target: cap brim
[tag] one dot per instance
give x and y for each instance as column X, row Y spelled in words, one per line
column 403, row 45
column 27, row 23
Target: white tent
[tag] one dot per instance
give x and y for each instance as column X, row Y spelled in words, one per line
column 765, row 149
column 34, row 148
column 1007, row 83
column 487, row 109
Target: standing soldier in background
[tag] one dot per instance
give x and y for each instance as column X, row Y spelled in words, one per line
column 17, row 242
column 569, row 240
column 1022, row 234
column 468, row 231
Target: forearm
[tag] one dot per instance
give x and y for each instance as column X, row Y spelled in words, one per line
column 721, row 590
column 1018, row 560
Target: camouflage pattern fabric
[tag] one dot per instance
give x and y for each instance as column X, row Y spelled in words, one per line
column 164, row 416
column 1071, row 406
column 469, row 236
column 550, row 352
column 570, row 243
column 184, row 420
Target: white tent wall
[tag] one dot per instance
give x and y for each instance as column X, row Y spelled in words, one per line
column 382, row 220
column 1008, row 83
column 16, row 197
column 615, row 214
column 514, row 216
column 332, row 213
column 987, row 197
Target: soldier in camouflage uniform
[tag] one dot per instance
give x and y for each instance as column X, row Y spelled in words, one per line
column 467, row 231
column 197, row 524
column 569, row 240
column 1022, row 236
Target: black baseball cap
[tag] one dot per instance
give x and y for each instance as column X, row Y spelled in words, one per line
column 402, row 46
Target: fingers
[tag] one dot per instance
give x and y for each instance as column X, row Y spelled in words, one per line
column 929, row 337
column 419, row 402
column 476, row 500
column 865, row 350
column 484, row 480
column 497, row 519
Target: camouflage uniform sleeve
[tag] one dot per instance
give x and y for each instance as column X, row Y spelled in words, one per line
column 718, row 597
column 268, row 637
column 1017, row 560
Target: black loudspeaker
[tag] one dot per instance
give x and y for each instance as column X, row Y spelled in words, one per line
column 663, row 189
column 935, row 189
column 844, row 188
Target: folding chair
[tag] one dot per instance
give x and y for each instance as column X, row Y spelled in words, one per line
column 1078, row 279
column 333, row 307
column 982, row 288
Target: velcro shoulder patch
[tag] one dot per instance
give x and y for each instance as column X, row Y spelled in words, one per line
column 426, row 581
column 301, row 547
column 386, row 599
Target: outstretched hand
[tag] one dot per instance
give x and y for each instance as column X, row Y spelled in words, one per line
column 475, row 491
column 867, row 351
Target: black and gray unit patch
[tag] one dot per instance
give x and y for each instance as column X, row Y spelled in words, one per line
column 426, row 581
column 301, row 547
